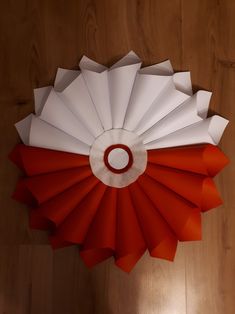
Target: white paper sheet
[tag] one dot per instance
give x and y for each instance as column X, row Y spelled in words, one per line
column 167, row 101
column 63, row 78
column 206, row 131
column 78, row 100
column 194, row 109
column 23, row 128
column 45, row 135
column 98, row 86
column 57, row 114
column 121, row 79
column 145, row 91
column 40, row 97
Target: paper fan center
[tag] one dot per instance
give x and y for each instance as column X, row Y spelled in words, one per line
column 118, row 158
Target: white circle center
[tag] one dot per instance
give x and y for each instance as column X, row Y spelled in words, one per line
column 118, row 158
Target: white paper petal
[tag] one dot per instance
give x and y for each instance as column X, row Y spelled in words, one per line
column 163, row 68
column 78, row 100
column 121, row 79
column 205, row 131
column 40, row 97
column 63, row 78
column 191, row 111
column 23, row 128
column 128, row 59
column 183, row 82
column 56, row 113
column 91, row 65
column 145, row 91
column 98, row 86
column 162, row 106
column 45, row 135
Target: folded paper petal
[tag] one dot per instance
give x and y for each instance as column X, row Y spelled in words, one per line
column 99, row 243
column 96, row 78
column 130, row 244
column 193, row 110
column 23, row 128
column 60, row 206
column 40, row 97
column 64, row 119
column 64, row 78
column 77, row 98
column 183, row 217
column 121, row 79
column 159, row 238
column 204, row 159
column 36, row 221
column 45, row 135
column 198, row 189
column 75, row 226
column 209, row 130
column 167, row 101
column 22, row 193
column 35, row 160
column 46, row 186
column 145, row 91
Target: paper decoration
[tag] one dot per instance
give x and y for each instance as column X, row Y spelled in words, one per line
column 120, row 160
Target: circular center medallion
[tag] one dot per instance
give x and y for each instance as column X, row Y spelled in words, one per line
column 118, row 158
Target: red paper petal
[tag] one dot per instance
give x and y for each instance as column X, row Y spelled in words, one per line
column 130, row 244
column 15, row 156
column 36, row 221
column 35, row 160
column 59, row 207
column 75, row 226
column 22, row 194
column 46, row 186
column 204, row 159
column 183, row 217
column 198, row 189
column 159, row 238
column 100, row 239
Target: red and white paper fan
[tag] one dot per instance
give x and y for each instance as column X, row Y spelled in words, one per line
column 120, row 160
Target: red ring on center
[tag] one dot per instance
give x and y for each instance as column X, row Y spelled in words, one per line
column 124, row 147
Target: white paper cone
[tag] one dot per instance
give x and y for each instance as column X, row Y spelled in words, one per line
column 45, row 135
column 162, row 106
column 23, row 128
column 57, row 114
column 40, row 97
column 183, row 82
column 63, row 78
column 163, row 68
column 205, row 131
column 145, row 91
column 191, row 111
column 98, row 86
column 121, row 79
column 78, row 100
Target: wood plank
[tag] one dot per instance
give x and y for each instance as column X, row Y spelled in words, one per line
column 36, row 37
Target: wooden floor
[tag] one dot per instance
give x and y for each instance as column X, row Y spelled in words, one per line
column 36, row 37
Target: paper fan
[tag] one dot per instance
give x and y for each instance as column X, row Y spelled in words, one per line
column 120, row 160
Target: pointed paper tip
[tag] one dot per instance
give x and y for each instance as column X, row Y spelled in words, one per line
column 91, row 65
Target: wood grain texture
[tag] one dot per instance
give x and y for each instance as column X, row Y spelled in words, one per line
column 36, row 37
